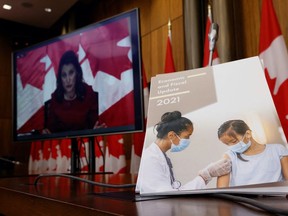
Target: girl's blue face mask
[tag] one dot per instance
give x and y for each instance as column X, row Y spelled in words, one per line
column 240, row 147
column 183, row 144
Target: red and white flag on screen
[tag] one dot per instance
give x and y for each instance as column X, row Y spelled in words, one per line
column 115, row 160
column 138, row 138
column 215, row 57
column 169, row 61
column 273, row 53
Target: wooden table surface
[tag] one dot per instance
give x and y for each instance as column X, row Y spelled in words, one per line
column 64, row 196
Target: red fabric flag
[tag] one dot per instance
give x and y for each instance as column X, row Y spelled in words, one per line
column 115, row 155
column 169, row 62
column 83, row 147
column 64, row 156
column 35, row 157
column 273, row 53
column 99, row 153
column 50, row 156
column 138, row 138
column 46, row 156
column 215, row 57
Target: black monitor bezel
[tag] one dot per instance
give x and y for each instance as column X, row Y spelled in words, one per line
column 137, row 79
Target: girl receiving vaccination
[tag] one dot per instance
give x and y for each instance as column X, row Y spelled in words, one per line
column 252, row 162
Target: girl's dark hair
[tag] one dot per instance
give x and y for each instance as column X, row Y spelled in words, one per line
column 69, row 57
column 172, row 121
column 232, row 128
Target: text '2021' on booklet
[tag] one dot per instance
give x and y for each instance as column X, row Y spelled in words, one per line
column 209, row 97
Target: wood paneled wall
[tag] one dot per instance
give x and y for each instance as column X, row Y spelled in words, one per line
column 5, row 97
column 240, row 28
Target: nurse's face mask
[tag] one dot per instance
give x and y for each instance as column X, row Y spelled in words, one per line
column 183, row 144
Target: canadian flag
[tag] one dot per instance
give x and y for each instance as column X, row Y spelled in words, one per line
column 273, row 53
column 115, row 159
column 215, row 57
column 35, row 158
column 99, row 153
column 83, row 147
column 169, row 62
column 138, row 138
column 50, row 156
column 63, row 156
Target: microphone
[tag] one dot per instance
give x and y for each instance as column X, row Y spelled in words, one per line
column 213, row 36
column 10, row 161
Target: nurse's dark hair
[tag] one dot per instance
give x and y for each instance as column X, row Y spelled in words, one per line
column 172, row 121
column 233, row 128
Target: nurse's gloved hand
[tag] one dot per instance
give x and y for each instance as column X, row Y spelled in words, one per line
column 218, row 168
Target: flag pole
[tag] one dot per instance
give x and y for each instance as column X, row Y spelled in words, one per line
column 209, row 57
column 209, row 11
column 169, row 62
column 213, row 35
column 169, row 30
column 210, row 16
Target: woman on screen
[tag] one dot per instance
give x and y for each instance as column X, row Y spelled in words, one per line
column 156, row 174
column 252, row 162
column 74, row 104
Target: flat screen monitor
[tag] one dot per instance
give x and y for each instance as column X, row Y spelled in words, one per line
column 85, row 83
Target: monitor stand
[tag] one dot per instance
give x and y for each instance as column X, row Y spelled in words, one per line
column 75, row 156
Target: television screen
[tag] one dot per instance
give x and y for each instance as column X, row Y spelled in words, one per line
column 85, row 83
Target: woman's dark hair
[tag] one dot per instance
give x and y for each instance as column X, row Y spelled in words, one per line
column 172, row 121
column 232, row 128
column 69, row 57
